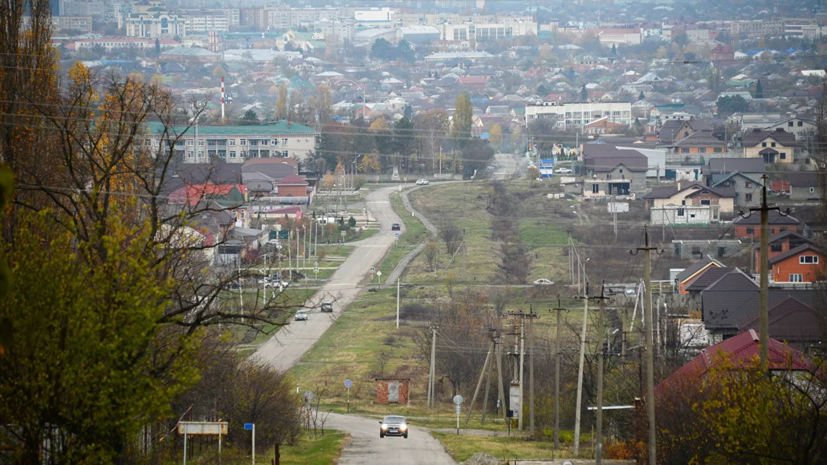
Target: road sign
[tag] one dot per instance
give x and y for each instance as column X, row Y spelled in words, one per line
column 315, row 263
column 457, row 399
column 348, row 383
column 458, row 408
column 284, row 234
column 372, row 270
column 396, row 234
column 249, row 426
column 379, row 273
column 203, row 428
column 316, row 269
column 344, row 233
column 273, row 235
column 308, row 396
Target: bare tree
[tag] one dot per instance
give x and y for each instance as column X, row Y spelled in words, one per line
column 431, row 253
column 452, row 236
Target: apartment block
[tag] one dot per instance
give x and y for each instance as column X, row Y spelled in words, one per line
column 576, row 115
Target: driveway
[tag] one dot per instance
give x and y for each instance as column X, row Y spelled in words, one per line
column 365, row 447
column 289, row 344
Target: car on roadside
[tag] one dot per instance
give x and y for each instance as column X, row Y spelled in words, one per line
column 396, row 227
column 232, row 285
column 301, row 315
column 327, row 306
column 563, row 171
column 422, row 182
column 393, row 425
column 543, row 282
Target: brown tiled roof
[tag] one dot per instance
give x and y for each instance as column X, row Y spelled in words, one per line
column 789, row 321
column 696, row 267
column 751, row 139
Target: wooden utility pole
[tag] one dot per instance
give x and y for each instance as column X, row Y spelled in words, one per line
column 479, row 383
column 764, row 307
column 557, row 354
column 650, row 354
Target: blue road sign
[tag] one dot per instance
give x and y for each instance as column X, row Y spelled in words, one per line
column 249, row 426
column 372, row 270
column 348, row 383
column 396, row 234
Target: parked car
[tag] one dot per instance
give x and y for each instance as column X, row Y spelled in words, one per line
column 543, row 282
column 301, row 315
column 393, row 425
column 422, row 182
column 396, row 227
column 327, row 306
column 232, row 285
column 563, row 171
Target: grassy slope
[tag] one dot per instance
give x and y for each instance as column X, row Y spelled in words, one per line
column 320, row 451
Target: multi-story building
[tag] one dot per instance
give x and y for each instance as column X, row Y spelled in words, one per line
column 757, row 28
column 576, row 115
column 78, row 23
column 375, row 17
column 235, row 144
column 481, row 32
column 115, row 43
column 206, row 21
column 802, row 28
column 152, row 21
column 95, row 8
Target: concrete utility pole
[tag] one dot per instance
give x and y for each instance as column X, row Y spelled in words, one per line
column 432, row 375
column 599, row 427
column 522, row 364
column 501, row 388
column 479, row 383
column 764, row 306
column 650, row 354
column 531, row 315
column 579, row 400
column 557, row 354
column 488, row 379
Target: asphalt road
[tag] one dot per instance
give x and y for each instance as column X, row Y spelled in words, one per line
column 506, row 166
column 365, row 447
column 289, row 344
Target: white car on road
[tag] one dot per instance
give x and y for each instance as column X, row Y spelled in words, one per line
column 422, row 182
column 563, row 171
column 301, row 315
column 543, row 282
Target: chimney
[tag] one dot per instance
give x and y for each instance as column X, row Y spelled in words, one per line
column 679, row 186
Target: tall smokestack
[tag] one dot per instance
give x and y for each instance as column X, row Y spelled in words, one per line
column 222, row 97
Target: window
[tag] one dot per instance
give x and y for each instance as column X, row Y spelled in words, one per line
column 275, row 142
column 808, row 259
column 790, row 124
column 750, row 231
column 686, row 134
column 685, row 150
column 232, row 153
column 772, row 144
column 796, row 278
column 718, row 150
column 705, row 202
column 264, row 142
column 285, row 154
column 189, row 143
column 200, row 142
column 232, row 141
column 777, row 247
column 812, row 189
column 763, row 144
column 748, row 197
column 681, row 211
column 189, row 154
column 800, row 123
column 242, row 142
column 284, row 141
column 783, row 156
column 242, row 154
column 702, row 149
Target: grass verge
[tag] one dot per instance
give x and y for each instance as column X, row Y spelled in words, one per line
column 322, row 450
column 504, row 448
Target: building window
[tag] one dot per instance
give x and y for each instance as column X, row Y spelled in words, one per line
column 681, row 211
column 718, row 150
column 790, row 124
column 284, row 141
column 808, row 259
column 685, row 150
column 232, row 141
column 800, row 123
column 275, row 142
column 750, row 231
column 748, row 197
column 812, row 189
column 189, row 142
column 772, row 144
column 264, row 142
column 702, row 149
column 242, row 142
column 705, row 202
column 200, row 142
column 232, row 153
column 777, row 247
column 783, row 156
column 796, row 278
column 763, row 144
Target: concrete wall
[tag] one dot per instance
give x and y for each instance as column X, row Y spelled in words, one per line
column 685, row 248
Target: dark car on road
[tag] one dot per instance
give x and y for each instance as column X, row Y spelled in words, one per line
column 393, row 425
column 396, row 227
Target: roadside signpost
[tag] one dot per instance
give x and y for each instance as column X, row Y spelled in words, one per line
column 458, row 407
column 379, row 277
column 202, row 428
column 316, row 269
column 397, row 239
column 252, row 427
column 348, row 384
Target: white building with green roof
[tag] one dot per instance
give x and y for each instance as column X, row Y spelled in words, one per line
column 235, row 144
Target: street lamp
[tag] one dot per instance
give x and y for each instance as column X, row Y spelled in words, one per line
column 355, row 171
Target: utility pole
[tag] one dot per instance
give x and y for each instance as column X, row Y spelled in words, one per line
column 501, row 389
column 650, row 354
column 599, row 428
column 522, row 364
column 479, row 383
column 579, row 400
column 522, row 317
column 531, row 317
column 464, row 248
column 488, row 379
column 432, row 375
column 557, row 354
column 764, row 307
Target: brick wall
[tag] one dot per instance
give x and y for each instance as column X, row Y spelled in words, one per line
column 385, row 389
